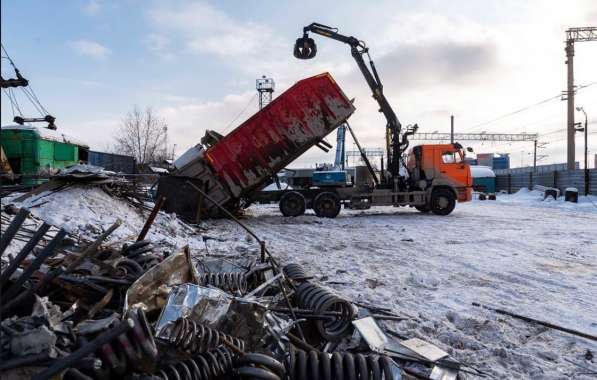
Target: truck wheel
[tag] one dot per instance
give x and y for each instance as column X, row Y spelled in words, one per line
column 422, row 208
column 442, row 202
column 326, row 205
column 292, row 204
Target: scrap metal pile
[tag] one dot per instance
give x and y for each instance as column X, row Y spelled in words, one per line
column 94, row 308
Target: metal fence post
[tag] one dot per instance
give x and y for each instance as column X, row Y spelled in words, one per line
column 586, row 181
column 509, row 183
column 530, row 180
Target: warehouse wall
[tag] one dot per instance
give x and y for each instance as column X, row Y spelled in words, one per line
column 558, row 179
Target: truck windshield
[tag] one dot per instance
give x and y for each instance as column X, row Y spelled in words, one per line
column 451, row 158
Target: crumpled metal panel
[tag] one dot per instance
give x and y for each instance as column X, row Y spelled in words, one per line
column 151, row 291
column 247, row 158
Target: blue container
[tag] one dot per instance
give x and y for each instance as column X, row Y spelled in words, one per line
column 329, row 178
column 484, row 184
column 501, row 162
column 115, row 162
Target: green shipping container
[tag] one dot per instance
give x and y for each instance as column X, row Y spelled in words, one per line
column 33, row 151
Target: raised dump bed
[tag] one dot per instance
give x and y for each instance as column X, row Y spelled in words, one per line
column 247, row 158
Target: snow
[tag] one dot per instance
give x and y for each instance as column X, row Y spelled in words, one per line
column 478, row 171
column 47, row 134
column 88, row 211
column 520, row 253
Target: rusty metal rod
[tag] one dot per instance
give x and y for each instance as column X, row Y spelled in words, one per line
column 41, row 231
column 156, row 208
column 537, row 321
column 12, row 229
column 299, row 343
column 45, row 253
column 85, row 350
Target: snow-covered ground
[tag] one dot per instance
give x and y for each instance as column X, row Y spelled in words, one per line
column 518, row 253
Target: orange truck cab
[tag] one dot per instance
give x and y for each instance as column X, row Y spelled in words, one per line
column 440, row 167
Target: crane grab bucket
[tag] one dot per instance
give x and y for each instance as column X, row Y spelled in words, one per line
column 305, row 48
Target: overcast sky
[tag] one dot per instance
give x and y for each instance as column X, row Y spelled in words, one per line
column 196, row 63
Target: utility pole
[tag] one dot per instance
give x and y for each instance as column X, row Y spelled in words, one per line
column 452, row 129
column 574, row 35
column 535, row 156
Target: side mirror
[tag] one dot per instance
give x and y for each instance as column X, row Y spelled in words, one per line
column 469, row 149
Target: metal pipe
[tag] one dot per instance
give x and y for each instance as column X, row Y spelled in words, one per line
column 85, row 350
column 542, row 323
column 12, row 267
column 13, row 228
column 156, row 208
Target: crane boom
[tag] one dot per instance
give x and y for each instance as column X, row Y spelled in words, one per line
column 305, row 48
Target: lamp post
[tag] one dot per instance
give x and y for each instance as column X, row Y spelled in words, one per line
column 585, row 129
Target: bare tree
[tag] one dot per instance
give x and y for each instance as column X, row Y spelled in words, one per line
column 142, row 135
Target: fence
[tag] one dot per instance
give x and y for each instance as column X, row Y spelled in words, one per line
column 558, row 179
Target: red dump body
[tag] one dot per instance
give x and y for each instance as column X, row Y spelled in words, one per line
column 246, row 159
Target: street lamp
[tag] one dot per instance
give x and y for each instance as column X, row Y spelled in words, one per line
column 586, row 130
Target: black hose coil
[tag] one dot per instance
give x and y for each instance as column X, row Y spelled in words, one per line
column 303, row 365
column 296, row 272
column 194, row 337
column 227, row 281
column 321, row 300
column 211, row 365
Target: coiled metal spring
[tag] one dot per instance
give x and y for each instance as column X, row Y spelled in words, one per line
column 227, row 281
column 259, row 366
column 134, row 349
column 206, row 366
column 303, row 365
column 296, row 272
column 321, row 300
column 194, row 337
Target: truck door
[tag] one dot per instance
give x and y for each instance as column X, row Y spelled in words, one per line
column 453, row 168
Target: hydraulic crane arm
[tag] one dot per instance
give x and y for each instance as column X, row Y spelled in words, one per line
column 305, row 48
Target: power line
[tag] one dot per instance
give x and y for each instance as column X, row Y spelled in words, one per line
column 523, row 109
column 240, row 113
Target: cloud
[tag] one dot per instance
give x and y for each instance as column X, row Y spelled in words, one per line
column 204, row 29
column 160, row 46
column 90, row 49
column 92, row 7
column 188, row 122
column 438, row 63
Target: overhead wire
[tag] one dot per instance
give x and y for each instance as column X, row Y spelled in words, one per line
column 241, row 112
column 526, row 108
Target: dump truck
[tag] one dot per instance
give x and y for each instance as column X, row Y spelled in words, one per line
column 229, row 172
column 225, row 171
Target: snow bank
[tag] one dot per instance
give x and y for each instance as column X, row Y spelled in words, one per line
column 88, row 211
column 534, row 198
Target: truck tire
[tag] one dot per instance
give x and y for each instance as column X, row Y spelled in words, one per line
column 327, row 205
column 292, row 204
column 422, row 208
column 442, row 201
